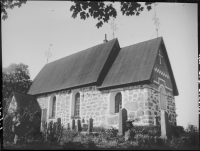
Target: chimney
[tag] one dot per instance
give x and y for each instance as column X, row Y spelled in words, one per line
column 105, row 39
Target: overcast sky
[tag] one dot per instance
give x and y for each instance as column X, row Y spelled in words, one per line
column 30, row 29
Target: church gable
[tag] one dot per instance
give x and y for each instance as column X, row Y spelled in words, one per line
column 162, row 72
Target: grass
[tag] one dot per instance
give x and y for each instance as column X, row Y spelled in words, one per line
column 104, row 141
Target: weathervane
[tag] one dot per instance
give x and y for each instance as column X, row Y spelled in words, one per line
column 155, row 19
column 48, row 53
column 113, row 26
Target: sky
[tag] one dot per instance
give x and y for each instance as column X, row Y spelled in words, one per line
column 30, row 30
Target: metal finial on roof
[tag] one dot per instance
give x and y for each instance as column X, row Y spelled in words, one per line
column 113, row 27
column 155, row 19
column 48, row 53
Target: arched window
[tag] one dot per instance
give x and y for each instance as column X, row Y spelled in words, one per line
column 77, row 105
column 54, row 106
column 118, row 102
column 163, row 103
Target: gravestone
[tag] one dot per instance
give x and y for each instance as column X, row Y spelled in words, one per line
column 73, row 124
column 50, row 126
column 156, row 120
column 68, row 126
column 90, row 125
column 43, row 119
column 58, row 123
column 78, row 125
column 122, row 121
column 165, row 127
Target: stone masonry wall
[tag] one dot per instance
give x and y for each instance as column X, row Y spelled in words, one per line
column 62, row 106
column 140, row 101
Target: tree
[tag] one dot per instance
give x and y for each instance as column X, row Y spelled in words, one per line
column 103, row 11
column 15, row 77
column 9, row 4
column 99, row 10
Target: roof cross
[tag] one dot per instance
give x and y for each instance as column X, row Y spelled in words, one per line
column 48, row 53
column 156, row 19
column 160, row 56
column 113, row 27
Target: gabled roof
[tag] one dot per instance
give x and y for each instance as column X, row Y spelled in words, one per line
column 79, row 69
column 135, row 63
column 24, row 100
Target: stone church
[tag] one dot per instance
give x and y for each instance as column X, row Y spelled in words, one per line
column 97, row 82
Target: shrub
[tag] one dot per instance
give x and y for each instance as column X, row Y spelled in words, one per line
column 8, row 134
column 98, row 129
column 53, row 133
column 84, row 127
column 177, row 131
column 23, row 122
column 112, row 132
column 144, row 130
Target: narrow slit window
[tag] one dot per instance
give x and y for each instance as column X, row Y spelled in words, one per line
column 77, row 104
column 54, row 106
column 118, row 102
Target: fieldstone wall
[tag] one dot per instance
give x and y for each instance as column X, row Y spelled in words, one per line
column 94, row 104
column 154, row 98
column 139, row 101
column 62, row 106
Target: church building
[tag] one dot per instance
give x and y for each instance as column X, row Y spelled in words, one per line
column 97, row 82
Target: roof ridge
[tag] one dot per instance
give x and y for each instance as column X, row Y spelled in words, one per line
column 141, row 42
column 82, row 50
column 22, row 93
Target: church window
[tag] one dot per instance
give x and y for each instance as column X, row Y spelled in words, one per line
column 77, row 105
column 54, row 106
column 118, row 102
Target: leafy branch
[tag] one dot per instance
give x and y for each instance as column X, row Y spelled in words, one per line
column 102, row 12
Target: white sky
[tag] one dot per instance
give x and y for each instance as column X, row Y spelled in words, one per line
column 30, row 29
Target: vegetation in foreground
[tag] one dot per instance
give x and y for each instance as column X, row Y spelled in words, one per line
column 140, row 137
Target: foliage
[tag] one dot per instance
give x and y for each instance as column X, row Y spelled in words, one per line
column 102, row 11
column 70, row 135
column 15, row 77
column 98, row 10
column 150, row 130
column 177, row 131
column 8, row 134
column 24, row 122
column 98, row 129
column 53, row 133
column 191, row 128
column 109, row 139
column 112, row 132
column 9, row 4
column 84, row 127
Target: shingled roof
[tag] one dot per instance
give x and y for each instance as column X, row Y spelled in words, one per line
column 23, row 100
column 105, row 65
column 79, row 69
column 135, row 63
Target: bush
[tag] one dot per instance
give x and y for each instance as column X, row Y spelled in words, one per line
column 112, row 132
column 53, row 133
column 23, row 122
column 84, row 127
column 144, row 130
column 8, row 134
column 98, row 129
column 177, row 131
